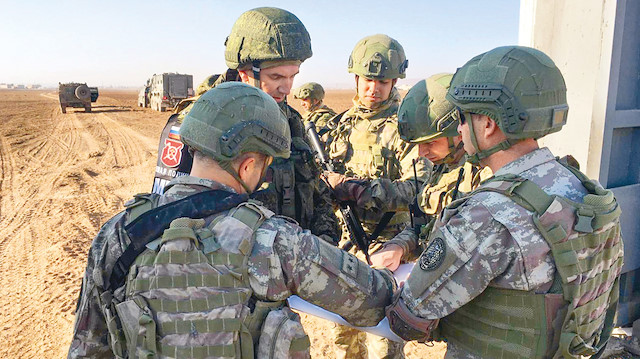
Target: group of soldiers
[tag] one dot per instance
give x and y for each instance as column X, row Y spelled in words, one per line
column 517, row 253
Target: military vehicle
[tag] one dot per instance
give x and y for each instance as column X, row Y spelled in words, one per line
column 168, row 89
column 77, row 95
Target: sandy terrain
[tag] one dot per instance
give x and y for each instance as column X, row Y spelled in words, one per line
column 62, row 177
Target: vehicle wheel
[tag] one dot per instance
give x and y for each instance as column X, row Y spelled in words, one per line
column 82, row 92
column 64, row 109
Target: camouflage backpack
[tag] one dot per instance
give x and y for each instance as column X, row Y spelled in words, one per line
column 187, row 295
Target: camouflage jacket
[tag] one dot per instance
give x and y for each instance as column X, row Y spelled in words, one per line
column 489, row 240
column 321, row 117
column 309, row 200
column 366, row 145
column 434, row 197
column 285, row 260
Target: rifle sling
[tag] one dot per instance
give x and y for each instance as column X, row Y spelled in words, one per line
column 151, row 224
column 386, row 218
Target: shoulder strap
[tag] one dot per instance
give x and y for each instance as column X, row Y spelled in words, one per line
column 149, row 225
column 522, row 191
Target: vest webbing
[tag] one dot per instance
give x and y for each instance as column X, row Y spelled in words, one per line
column 503, row 323
column 230, row 282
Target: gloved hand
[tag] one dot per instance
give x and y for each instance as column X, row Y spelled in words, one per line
column 345, row 188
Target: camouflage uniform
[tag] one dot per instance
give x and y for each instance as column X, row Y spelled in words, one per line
column 433, row 198
column 321, row 117
column 493, row 243
column 527, row 265
column 309, row 202
column 359, row 295
column 318, row 113
column 366, row 145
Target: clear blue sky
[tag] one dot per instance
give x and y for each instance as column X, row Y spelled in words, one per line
column 122, row 43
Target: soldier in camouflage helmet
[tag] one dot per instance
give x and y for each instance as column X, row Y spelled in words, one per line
column 425, row 118
column 215, row 282
column 265, row 49
column 527, row 265
column 366, row 145
column 311, row 95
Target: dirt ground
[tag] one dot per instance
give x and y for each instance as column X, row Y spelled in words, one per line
column 62, row 177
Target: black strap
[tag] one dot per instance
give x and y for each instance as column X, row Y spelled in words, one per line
column 151, row 224
column 386, row 217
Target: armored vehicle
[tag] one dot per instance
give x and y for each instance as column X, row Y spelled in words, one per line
column 168, row 89
column 77, row 95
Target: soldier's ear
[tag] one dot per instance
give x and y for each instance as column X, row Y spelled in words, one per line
column 490, row 127
column 244, row 77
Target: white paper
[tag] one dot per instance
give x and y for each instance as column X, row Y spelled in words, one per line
column 382, row 329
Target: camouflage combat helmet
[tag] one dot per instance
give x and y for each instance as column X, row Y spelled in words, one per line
column 519, row 87
column 309, row 90
column 266, row 34
column 426, row 115
column 234, row 118
column 378, row 57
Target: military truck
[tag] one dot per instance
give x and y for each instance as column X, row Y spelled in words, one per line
column 77, row 95
column 167, row 89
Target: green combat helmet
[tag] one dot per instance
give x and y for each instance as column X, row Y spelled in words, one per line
column 378, row 57
column 311, row 90
column 425, row 114
column 518, row 87
column 266, row 34
column 234, row 118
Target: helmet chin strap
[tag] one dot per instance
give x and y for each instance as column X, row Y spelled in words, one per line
column 255, row 67
column 226, row 165
column 482, row 154
column 454, row 150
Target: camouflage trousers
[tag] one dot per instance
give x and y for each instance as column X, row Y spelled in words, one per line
column 351, row 343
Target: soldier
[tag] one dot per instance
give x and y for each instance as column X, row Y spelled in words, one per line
column 366, row 145
column 425, row 118
column 527, row 265
column 214, row 283
column 265, row 49
column 311, row 95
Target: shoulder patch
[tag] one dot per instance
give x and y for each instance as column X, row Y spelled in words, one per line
column 434, row 255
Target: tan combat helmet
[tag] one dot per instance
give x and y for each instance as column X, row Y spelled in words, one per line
column 378, row 57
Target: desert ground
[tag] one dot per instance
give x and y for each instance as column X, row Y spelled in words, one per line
column 62, row 177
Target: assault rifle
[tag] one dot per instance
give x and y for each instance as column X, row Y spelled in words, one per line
column 354, row 227
column 418, row 218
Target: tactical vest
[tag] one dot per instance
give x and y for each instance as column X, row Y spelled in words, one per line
column 188, row 295
column 575, row 318
column 367, row 158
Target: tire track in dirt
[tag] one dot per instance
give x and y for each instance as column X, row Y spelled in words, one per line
column 62, row 186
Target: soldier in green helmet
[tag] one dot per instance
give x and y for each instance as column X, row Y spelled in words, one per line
column 311, row 96
column 526, row 265
column 427, row 119
column 366, row 145
column 265, row 49
column 203, row 271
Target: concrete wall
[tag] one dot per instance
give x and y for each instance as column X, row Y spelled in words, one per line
column 578, row 35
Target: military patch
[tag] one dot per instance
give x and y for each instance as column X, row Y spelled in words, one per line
column 172, row 152
column 434, row 255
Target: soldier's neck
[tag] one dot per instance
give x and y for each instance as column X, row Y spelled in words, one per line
column 501, row 158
